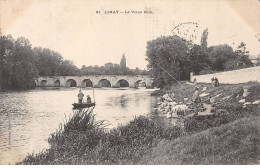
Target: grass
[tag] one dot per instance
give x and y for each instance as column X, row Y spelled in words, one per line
column 230, row 136
column 234, row 143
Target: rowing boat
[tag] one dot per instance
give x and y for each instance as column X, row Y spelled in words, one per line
column 82, row 105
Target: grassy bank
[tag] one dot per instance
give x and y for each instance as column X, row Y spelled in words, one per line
column 225, row 101
column 234, row 143
column 229, row 136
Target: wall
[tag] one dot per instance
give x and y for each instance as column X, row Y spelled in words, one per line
column 232, row 77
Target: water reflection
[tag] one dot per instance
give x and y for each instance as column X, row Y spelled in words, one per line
column 121, row 101
column 28, row 118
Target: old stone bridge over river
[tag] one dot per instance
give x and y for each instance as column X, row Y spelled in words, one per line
column 114, row 81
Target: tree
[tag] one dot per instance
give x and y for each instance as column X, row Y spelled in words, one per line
column 243, row 56
column 23, row 69
column 232, row 65
column 203, row 41
column 238, row 64
column 241, row 59
column 47, row 61
column 219, row 55
column 123, row 62
column 166, row 58
column 241, row 50
column 7, row 56
column 198, row 59
column 67, row 68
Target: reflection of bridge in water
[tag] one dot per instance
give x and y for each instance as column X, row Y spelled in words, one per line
column 114, row 81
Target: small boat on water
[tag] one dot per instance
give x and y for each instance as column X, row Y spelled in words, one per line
column 82, row 105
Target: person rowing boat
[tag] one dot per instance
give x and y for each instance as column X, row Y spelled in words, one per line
column 80, row 96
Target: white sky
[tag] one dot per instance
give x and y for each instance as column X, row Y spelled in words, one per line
column 72, row 27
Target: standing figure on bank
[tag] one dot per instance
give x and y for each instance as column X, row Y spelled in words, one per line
column 213, row 81
column 196, row 100
column 217, row 82
column 195, row 81
column 88, row 99
column 80, row 96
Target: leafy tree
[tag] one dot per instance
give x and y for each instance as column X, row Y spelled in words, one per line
column 23, row 69
column 219, row 55
column 166, row 57
column 67, row 68
column 203, row 41
column 232, row 65
column 123, row 62
column 243, row 56
column 241, row 60
column 7, row 56
column 199, row 59
column 47, row 61
column 241, row 50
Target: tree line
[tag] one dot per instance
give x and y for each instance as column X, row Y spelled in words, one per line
column 20, row 64
column 112, row 69
column 172, row 58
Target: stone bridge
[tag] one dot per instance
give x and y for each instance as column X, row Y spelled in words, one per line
column 98, row 81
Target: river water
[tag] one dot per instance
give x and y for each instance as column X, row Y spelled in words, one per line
column 28, row 118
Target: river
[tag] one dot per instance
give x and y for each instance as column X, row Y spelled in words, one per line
column 27, row 118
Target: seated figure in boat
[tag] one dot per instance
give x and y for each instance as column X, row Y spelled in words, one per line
column 80, row 96
column 88, row 99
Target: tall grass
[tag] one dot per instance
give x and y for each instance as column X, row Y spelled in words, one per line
column 82, row 140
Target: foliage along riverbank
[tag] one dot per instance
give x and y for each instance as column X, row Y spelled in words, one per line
column 20, row 63
column 230, row 136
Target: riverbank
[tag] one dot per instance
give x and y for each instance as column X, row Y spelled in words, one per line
column 231, row 135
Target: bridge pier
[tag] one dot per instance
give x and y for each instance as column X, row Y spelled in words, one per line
column 62, row 81
column 132, row 86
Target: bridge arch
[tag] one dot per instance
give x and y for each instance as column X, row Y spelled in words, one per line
column 57, row 83
column 71, row 83
column 43, row 83
column 122, row 83
column 140, row 83
column 86, row 83
column 104, row 83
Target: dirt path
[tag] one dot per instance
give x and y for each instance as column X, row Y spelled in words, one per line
column 206, row 112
